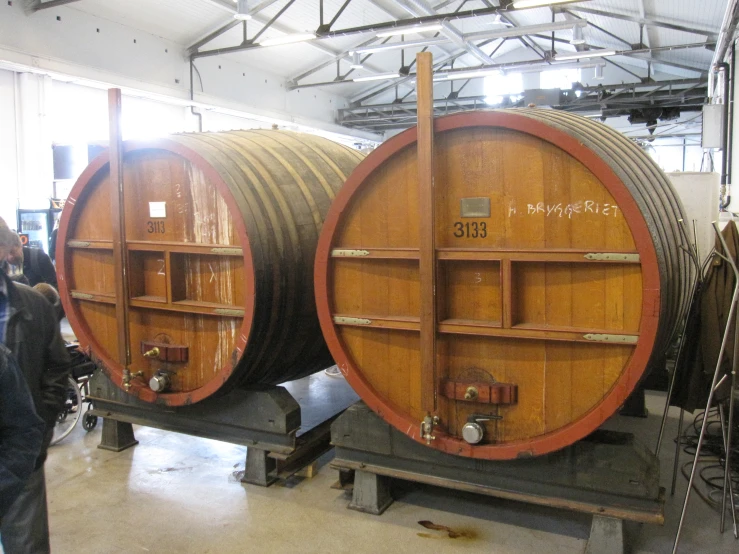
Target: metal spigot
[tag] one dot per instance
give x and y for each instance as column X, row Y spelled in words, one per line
column 128, row 377
column 427, row 428
column 153, row 353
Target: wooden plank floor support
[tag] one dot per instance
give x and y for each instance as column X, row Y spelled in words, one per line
column 120, row 255
column 427, row 202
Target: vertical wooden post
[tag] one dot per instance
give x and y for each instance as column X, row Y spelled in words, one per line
column 506, row 290
column 120, row 254
column 427, row 234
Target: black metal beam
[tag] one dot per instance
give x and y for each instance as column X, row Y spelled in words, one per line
column 215, row 34
column 271, row 21
column 356, row 30
column 326, row 28
column 647, row 22
column 51, row 4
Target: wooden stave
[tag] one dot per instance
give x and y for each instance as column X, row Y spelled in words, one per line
column 665, row 189
column 267, row 365
column 675, row 282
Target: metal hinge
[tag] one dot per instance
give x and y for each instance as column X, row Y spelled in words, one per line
column 226, row 251
column 348, row 253
column 612, row 257
column 351, row 320
column 620, row 339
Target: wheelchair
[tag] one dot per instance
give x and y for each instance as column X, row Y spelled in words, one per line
column 77, row 391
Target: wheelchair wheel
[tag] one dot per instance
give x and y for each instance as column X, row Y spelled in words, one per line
column 68, row 417
column 89, row 421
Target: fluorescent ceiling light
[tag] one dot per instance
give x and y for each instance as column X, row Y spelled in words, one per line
column 400, row 45
column 377, row 77
column 521, row 4
column 242, row 10
column 356, row 61
column 287, row 39
column 586, row 54
column 473, row 74
column 408, row 30
column 577, row 36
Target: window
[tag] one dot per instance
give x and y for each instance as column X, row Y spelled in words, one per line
column 497, row 87
column 559, row 78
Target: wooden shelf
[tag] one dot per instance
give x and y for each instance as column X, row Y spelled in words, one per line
column 185, row 248
column 555, row 256
column 478, row 328
column 150, row 298
column 477, row 254
column 188, row 307
column 532, row 332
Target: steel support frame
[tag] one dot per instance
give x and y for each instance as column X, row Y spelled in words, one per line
column 544, row 63
column 267, row 421
column 626, row 97
column 643, row 21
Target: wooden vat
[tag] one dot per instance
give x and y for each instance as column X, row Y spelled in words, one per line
column 556, row 270
column 219, row 235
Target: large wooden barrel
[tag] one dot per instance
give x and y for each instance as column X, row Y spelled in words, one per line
column 220, row 233
column 559, row 273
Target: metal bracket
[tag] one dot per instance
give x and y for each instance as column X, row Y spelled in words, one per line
column 227, row 311
column 82, row 296
column 78, row 244
column 612, row 257
column 233, row 251
column 348, row 253
column 351, row 320
column 619, row 339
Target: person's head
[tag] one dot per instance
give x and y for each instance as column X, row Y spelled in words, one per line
column 15, row 256
column 7, row 240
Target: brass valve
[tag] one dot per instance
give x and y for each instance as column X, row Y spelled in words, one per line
column 128, row 377
column 153, row 353
column 470, row 393
column 427, row 428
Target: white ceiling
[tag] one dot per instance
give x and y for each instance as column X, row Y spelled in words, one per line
column 186, row 21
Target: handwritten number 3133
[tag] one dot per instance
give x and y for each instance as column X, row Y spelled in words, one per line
column 471, row 230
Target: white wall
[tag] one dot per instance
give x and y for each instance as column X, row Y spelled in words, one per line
column 8, row 161
column 93, row 48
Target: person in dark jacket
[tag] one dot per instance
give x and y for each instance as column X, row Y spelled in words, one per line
column 21, row 431
column 30, row 329
column 36, row 264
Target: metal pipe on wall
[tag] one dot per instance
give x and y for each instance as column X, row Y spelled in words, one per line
column 725, row 39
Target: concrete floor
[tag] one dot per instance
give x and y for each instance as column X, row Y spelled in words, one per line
column 175, row 493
